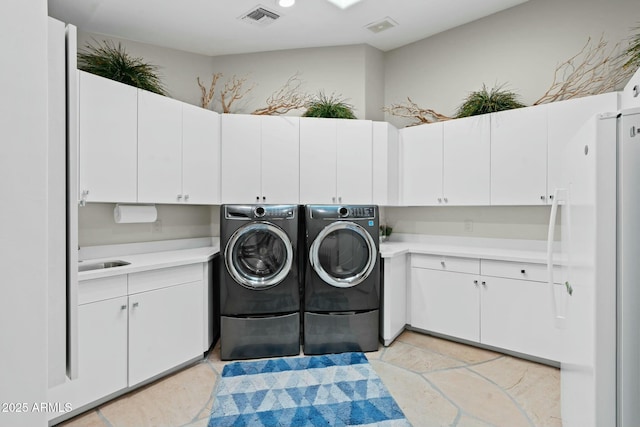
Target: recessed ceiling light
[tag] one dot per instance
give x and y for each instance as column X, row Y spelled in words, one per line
column 343, row 4
column 286, row 3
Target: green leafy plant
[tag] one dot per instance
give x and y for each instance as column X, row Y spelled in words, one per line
column 331, row 106
column 488, row 101
column 109, row 60
column 632, row 53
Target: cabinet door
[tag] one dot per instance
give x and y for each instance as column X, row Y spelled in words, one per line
column 394, row 299
column 467, row 156
column 519, row 156
column 200, row 155
column 565, row 118
column 318, row 160
column 165, row 329
column 385, row 164
column 421, row 165
column 445, row 302
column 280, row 159
column 159, row 149
column 354, row 145
column 107, row 139
column 516, row 315
column 102, row 351
column 241, row 154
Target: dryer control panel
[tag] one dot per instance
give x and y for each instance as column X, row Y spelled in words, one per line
column 338, row 212
column 260, row 212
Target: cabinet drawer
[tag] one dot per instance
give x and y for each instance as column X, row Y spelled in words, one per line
column 518, row 270
column 161, row 278
column 101, row 289
column 446, row 263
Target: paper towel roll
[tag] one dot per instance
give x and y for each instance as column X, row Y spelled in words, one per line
column 126, row 214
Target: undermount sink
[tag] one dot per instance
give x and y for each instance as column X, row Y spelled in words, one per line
column 100, row 265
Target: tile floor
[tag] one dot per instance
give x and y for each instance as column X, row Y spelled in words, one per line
column 436, row 383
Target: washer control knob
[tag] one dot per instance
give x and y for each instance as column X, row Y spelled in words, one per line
column 259, row 212
column 343, row 212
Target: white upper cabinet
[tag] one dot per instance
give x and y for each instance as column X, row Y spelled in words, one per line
column 519, row 156
column 630, row 97
column 354, row 149
column 565, row 118
column 159, row 149
column 260, row 159
column 107, row 140
column 385, row 164
column 200, row 155
column 421, row 165
column 336, row 161
column 178, row 152
column 466, row 164
column 280, row 159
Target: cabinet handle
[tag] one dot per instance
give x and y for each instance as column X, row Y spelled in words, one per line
column 123, row 307
column 136, row 304
column 523, row 271
column 551, row 197
column 257, row 199
column 484, row 283
column 264, row 198
column 439, row 199
column 475, row 282
column 340, row 199
column 542, row 198
column 179, row 197
column 186, row 197
column 442, row 263
column 446, row 200
column 333, row 199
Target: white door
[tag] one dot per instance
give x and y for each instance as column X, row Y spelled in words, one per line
column 519, row 156
column 385, row 164
column 280, row 160
column 108, row 127
column 159, row 149
column 165, row 329
column 354, row 145
column 516, row 315
column 446, row 302
column 421, row 165
column 318, row 168
column 200, row 155
column 241, row 158
column 467, row 156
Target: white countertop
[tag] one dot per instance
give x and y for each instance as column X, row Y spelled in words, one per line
column 499, row 249
column 153, row 259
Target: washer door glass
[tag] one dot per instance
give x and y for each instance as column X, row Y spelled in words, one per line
column 343, row 254
column 259, row 255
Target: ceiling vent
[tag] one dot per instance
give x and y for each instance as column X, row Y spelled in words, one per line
column 382, row 25
column 260, row 15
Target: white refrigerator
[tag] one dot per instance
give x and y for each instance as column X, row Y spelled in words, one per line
column 597, row 206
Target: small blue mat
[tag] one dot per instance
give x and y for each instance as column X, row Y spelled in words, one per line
column 329, row 390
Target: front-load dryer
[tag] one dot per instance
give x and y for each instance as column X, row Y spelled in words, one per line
column 342, row 279
column 259, row 281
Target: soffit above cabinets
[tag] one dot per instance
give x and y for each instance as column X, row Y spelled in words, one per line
column 212, row 27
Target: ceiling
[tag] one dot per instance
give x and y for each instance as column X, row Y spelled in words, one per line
column 212, row 27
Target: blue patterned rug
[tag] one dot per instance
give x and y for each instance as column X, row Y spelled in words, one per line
column 330, row 390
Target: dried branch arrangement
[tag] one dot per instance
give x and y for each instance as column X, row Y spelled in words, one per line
column 592, row 71
column 207, row 95
column 411, row 110
column 288, row 97
column 233, row 91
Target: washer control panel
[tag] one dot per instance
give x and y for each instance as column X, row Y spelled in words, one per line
column 253, row 212
column 342, row 212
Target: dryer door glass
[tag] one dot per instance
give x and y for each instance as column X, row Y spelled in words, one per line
column 343, row 254
column 259, row 255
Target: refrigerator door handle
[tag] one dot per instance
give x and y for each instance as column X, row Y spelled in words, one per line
column 559, row 196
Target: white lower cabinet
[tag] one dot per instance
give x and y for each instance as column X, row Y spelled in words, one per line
column 132, row 328
column 165, row 329
column 497, row 303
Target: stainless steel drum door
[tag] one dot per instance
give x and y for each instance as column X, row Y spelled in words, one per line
column 259, row 255
column 343, row 254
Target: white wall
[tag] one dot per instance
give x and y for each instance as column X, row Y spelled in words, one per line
column 178, row 70
column 23, row 219
column 340, row 70
column 504, row 222
column 97, row 227
column 520, row 46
